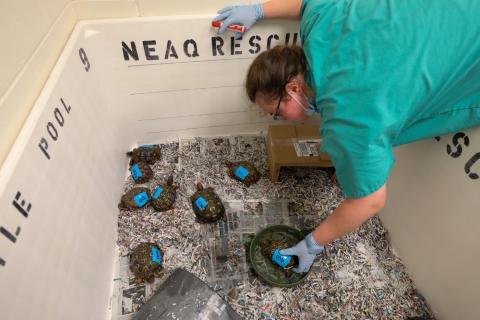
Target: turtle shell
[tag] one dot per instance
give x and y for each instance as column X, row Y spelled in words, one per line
column 147, row 153
column 268, row 248
column 207, row 206
column 243, row 171
column 164, row 196
column 134, row 198
column 146, row 262
column 141, row 172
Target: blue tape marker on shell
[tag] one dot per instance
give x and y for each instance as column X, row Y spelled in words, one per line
column 241, row 172
column 201, row 203
column 156, row 255
column 281, row 260
column 157, row 193
column 136, row 173
column 141, row 199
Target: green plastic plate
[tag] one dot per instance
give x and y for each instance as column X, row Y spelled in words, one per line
column 265, row 268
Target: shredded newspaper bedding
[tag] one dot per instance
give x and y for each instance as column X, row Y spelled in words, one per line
column 356, row 277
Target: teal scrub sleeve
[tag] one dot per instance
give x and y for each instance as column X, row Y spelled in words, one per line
column 362, row 155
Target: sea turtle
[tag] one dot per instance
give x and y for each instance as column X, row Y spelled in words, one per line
column 269, row 249
column 141, row 172
column 243, row 171
column 134, row 198
column 164, row 196
column 147, row 153
column 207, row 206
column 146, row 262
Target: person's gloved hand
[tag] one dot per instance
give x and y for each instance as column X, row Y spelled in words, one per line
column 306, row 251
column 243, row 15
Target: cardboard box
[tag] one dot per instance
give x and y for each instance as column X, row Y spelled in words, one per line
column 295, row 146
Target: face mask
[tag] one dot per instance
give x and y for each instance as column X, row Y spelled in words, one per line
column 312, row 102
column 308, row 112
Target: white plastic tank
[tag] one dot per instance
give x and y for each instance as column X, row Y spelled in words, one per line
column 122, row 82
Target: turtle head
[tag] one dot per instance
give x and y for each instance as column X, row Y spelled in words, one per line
column 170, row 180
column 199, row 186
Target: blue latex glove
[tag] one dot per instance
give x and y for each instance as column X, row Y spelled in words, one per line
column 306, row 251
column 243, row 15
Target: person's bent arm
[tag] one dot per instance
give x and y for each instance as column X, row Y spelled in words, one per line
column 283, row 9
column 247, row 15
column 349, row 215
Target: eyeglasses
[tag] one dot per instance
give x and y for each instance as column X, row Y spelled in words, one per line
column 277, row 115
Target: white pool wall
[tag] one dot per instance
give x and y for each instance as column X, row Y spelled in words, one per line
column 63, row 178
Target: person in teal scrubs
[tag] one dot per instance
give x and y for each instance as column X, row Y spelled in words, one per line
column 381, row 73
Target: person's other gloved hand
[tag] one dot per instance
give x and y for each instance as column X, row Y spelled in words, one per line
column 243, row 15
column 306, row 251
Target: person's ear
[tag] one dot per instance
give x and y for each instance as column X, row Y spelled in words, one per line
column 293, row 87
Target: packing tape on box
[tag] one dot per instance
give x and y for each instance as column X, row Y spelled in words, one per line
column 290, row 142
column 284, row 142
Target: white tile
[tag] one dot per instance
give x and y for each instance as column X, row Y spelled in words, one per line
column 22, row 29
column 182, row 7
column 52, row 45
column 15, row 107
column 19, row 99
column 89, row 10
column 53, row 8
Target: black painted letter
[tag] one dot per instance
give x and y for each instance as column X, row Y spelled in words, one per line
column 253, row 44
column 235, row 45
column 287, row 38
column 170, row 48
column 185, row 48
column 217, row 47
column 83, row 57
column 269, row 40
column 127, row 53
column 57, row 114
column 466, row 141
column 50, row 125
column 148, row 49
column 470, row 163
column 44, row 146
column 65, row 106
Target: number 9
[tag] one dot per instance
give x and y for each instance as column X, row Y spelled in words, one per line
column 83, row 57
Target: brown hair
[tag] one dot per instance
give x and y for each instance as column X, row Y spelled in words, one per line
column 272, row 69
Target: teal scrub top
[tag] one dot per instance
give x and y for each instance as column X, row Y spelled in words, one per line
column 386, row 73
